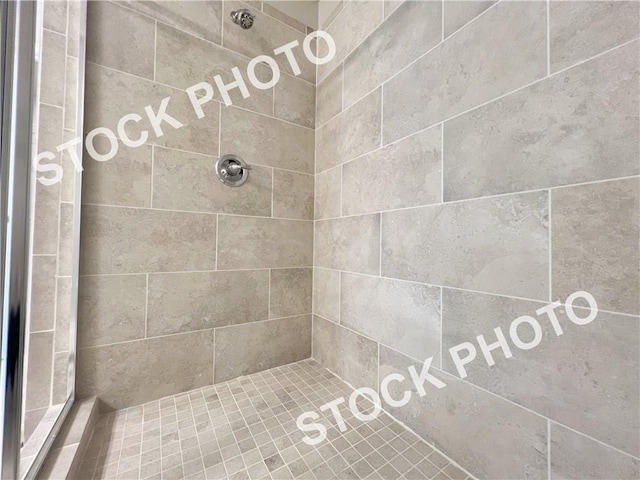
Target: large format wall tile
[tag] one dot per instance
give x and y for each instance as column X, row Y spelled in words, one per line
column 595, row 233
column 497, row 245
column 577, row 457
column 354, row 132
column 131, row 373
column 295, row 101
column 459, row 12
column 604, row 407
column 329, row 97
column 111, row 309
column 43, row 293
column 292, row 195
column 404, row 174
column 402, row 315
column 352, row 357
column 327, row 193
column 489, row 62
column 244, row 349
column 248, row 242
column 128, row 240
column 410, row 31
column 490, row 437
column 187, row 181
column 576, row 127
column 326, row 293
column 266, row 141
column 52, row 85
column 290, row 291
column 182, row 302
column 579, row 30
column 350, row 243
column 40, row 359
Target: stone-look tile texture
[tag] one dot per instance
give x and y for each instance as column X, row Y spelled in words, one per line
column 326, row 293
column 291, row 292
column 459, row 12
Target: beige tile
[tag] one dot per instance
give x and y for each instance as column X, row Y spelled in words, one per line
column 327, row 193
column 595, row 231
column 43, row 293
column 509, row 442
column 328, row 10
column 111, row 309
column 579, row 30
column 59, row 390
column 351, row 243
column 245, row 242
column 603, row 407
column 38, row 370
column 182, row 302
column 404, row 174
column 291, row 292
column 73, row 28
column 489, row 62
column 352, row 357
column 292, row 195
column 576, row 456
column 149, row 372
column 67, row 235
column 496, row 245
column 354, row 132
column 127, row 240
column 457, row 13
column 390, row 6
column 295, row 101
column 71, row 93
column 187, row 181
column 70, row 176
column 326, row 293
column 266, row 141
column 329, row 97
column 402, row 315
column 245, row 349
column 576, row 127
column 120, row 39
column 277, row 14
column 53, row 68
column 414, row 28
column 55, row 15
column 64, row 301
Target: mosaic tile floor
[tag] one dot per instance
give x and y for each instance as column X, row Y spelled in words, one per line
column 246, row 429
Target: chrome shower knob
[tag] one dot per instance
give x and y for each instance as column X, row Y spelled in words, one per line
column 232, row 170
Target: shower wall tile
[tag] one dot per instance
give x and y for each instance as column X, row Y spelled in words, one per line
column 39, row 381
column 53, row 68
column 154, row 368
column 513, row 440
column 579, row 30
column 127, row 240
column 595, row 231
column 266, row 141
column 497, row 245
column 120, row 39
column 43, row 293
column 292, row 195
column 59, row 388
column 184, row 302
column 244, row 349
column 410, row 31
column 291, row 292
column 403, row 315
column 350, row 243
column 111, row 309
column 277, row 14
column 326, row 293
column 371, row 183
column 457, row 13
column 64, row 301
column 489, row 62
column 605, row 407
column 295, row 101
column 576, row 127
column 576, row 456
column 352, row 357
column 250, row 242
column 327, row 193
column 329, row 97
column 354, row 132
column 65, row 243
column 187, row 181
column 70, row 94
column 55, row 16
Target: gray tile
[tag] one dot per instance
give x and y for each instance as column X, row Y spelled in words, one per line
column 328, row 193
column 126, row 240
column 59, row 388
column 496, row 245
column 576, row 127
column 66, row 237
column 354, row 132
column 329, row 97
column 326, row 293
column 245, row 349
column 457, row 13
column 579, row 30
column 295, row 101
column 64, row 302
column 111, row 309
column 328, row 10
column 266, row 141
column 595, row 231
column 182, row 302
column 514, row 443
column 245, row 242
column 71, row 93
column 403, row 315
column 53, row 68
column 350, row 243
column 292, row 195
column 604, row 406
column 371, row 183
column 38, row 370
column 291, row 292
column 284, row 18
column 489, row 63
column 187, row 181
column 55, row 15
column 43, row 293
column 351, row 356
column 413, row 28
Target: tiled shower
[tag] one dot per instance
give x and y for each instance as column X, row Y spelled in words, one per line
column 457, row 165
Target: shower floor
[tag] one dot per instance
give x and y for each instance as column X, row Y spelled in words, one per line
column 245, row 429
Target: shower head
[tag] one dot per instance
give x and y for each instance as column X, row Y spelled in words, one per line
column 243, row 17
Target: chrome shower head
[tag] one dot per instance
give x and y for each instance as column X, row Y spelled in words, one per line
column 243, row 17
